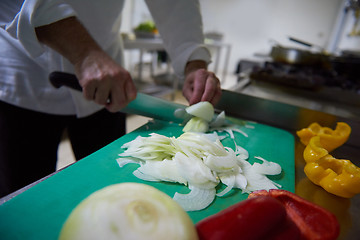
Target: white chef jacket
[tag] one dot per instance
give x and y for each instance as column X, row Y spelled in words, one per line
column 25, row 63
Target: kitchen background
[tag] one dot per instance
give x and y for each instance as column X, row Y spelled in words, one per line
column 251, row 26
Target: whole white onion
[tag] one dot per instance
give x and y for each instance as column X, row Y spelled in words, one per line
column 128, row 211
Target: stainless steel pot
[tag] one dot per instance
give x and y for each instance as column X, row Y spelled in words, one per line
column 299, row 56
column 296, row 56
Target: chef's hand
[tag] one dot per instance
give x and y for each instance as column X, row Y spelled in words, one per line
column 104, row 81
column 100, row 76
column 200, row 84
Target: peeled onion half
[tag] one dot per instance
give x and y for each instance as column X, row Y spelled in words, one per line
column 128, row 211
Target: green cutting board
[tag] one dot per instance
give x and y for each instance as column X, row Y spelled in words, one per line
column 40, row 212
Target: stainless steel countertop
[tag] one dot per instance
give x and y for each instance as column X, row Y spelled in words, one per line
column 292, row 118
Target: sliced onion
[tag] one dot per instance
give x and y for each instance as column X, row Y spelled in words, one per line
column 196, row 199
column 219, row 121
column 213, row 136
column 166, row 170
column 242, row 132
column 258, row 181
column 195, row 171
column 230, row 129
column 196, row 124
column 229, row 181
column 240, row 181
column 145, row 177
column 204, row 110
column 267, row 168
column 200, row 161
column 123, row 161
column 221, row 164
column 241, row 152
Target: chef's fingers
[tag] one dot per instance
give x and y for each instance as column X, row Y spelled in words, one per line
column 102, row 92
column 197, row 86
column 187, row 91
column 217, row 96
column 89, row 90
column 212, row 89
column 122, row 94
column 204, row 86
column 130, row 91
column 117, row 99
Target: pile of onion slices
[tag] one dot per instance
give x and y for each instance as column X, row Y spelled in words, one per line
column 198, row 160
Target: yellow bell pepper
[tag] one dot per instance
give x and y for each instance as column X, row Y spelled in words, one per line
column 314, row 150
column 330, row 139
column 337, row 176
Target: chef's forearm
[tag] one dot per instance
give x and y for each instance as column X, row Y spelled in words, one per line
column 69, row 38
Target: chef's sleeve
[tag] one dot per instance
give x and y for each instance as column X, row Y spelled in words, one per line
column 180, row 26
column 35, row 13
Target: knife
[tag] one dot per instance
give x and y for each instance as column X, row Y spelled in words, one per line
column 144, row 105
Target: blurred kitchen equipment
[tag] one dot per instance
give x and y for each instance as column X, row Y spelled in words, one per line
column 307, row 78
column 311, row 46
column 295, row 56
column 347, row 8
column 215, row 36
column 311, row 70
column 348, row 63
column 355, row 32
column 300, row 41
column 353, row 4
column 325, row 79
column 309, row 86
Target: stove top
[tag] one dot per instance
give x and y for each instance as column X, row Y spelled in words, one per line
column 312, row 87
column 308, row 77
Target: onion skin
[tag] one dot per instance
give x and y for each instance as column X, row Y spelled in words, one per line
column 255, row 218
column 313, row 221
column 128, row 211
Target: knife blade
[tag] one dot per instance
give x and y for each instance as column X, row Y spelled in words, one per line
column 144, row 105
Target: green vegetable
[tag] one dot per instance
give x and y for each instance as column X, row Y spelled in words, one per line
column 128, row 211
column 147, row 26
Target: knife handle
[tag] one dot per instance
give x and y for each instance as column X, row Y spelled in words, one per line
column 59, row 79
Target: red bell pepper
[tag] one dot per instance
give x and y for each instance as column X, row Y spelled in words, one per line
column 313, row 221
column 277, row 214
column 261, row 217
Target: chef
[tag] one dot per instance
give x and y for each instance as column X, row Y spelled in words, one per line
column 81, row 37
